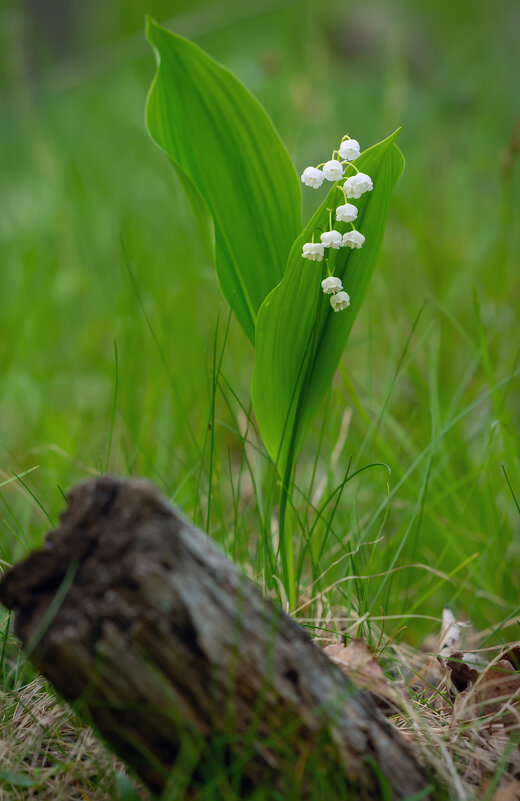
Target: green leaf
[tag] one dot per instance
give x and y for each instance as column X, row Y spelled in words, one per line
column 124, row 788
column 236, row 172
column 16, row 779
column 299, row 338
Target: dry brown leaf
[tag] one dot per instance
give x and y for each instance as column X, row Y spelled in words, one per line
column 513, row 656
column 461, row 675
column 485, row 693
column 358, row 663
column 507, row 791
column 498, row 686
column 442, row 712
column 461, row 679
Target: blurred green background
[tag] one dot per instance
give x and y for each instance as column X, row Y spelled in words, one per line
column 108, row 305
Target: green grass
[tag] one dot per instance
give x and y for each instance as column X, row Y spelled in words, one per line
column 115, row 352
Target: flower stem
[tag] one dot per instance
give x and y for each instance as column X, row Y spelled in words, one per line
column 285, row 539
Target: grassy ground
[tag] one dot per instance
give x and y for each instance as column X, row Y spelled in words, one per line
column 109, row 311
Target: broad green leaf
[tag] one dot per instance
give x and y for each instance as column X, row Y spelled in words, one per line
column 299, row 338
column 233, row 167
column 16, row 779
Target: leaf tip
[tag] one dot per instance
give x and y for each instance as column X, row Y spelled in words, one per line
column 396, row 134
column 149, row 23
column 153, row 30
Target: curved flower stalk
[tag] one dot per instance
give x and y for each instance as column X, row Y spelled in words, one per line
column 333, row 239
column 304, row 323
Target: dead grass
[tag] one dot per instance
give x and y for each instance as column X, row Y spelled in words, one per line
column 48, row 753
column 472, row 748
column 459, row 711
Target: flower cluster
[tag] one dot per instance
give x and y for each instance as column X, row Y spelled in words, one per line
column 352, row 189
column 333, row 286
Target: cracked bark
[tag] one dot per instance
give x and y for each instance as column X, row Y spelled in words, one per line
column 139, row 620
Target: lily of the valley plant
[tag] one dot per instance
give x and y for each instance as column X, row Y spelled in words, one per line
column 269, row 264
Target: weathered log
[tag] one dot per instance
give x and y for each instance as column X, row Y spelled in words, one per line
column 139, row 620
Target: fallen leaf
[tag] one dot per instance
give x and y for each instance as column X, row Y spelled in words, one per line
column 508, row 790
column 484, row 693
column 461, row 675
column 358, row 663
column 513, row 656
column 498, row 686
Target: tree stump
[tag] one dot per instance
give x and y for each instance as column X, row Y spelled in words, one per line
column 177, row 659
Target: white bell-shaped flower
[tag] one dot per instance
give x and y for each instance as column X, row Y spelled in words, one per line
column 352, row 239
column 349, row 149
column 331, row 239
column 312, row 251
column 313, row 177
column 357, row 184
column 340, row 301
column 333, row 170
column 346, row 213
column 331, row 285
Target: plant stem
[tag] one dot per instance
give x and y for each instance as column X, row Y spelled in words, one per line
column 286, row 540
